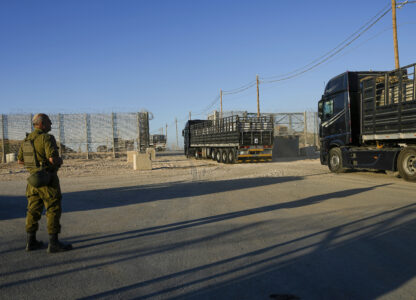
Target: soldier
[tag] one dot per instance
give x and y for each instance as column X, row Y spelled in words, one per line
column 39, row 154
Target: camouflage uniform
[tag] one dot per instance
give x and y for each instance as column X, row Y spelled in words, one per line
column 46, row 196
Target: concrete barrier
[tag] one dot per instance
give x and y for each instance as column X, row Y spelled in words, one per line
column 130, row 156
column 152, row 153
column 142, row 161
column 10, row 157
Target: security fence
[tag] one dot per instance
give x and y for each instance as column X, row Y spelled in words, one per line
column 113, row 134
column 81, row 135
column 305, row 125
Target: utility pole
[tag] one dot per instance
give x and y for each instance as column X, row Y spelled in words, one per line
column 221, row 104
column 189, row 115
column 177, row 141
column 166, row 131
column 396, row 45
column 258, row 96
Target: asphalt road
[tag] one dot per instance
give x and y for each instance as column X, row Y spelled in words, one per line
column 318, row 236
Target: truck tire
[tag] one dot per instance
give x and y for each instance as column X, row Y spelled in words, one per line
column 213, row 151
column 218, row 155
column 197, row 156
column 406, row 164
column 224, row 156
column 230, row 156
column 335, row 161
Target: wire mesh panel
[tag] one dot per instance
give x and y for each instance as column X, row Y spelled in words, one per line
column 126, row 131
column 14, row 129
column 80, row 135
column 74, row 134
column 101, row 133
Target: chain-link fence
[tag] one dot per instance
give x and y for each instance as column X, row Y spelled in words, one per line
column 81, row 135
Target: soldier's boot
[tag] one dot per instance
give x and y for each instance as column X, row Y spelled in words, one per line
column 56, row 246
column 32, row 243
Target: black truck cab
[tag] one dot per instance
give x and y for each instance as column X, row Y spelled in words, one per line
column 334, row 110
column 368, row 121
column 340, row 112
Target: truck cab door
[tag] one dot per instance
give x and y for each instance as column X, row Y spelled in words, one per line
column 333, row 117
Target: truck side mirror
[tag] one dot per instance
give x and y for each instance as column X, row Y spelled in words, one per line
column 320, row 114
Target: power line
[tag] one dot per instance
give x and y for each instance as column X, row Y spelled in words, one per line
column 330, row 51
column 236, row 91
column 210, row 106
column 331, row 55
column 315, row 63
column 241, row 88
column 401, row 4
column 371, row 38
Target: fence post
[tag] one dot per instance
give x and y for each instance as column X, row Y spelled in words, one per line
column 86, row 136
column 3, row 156
column 305, row 128
column 112, row 126
column 138, row 132
column 59, row 135
column 290, row 124
column 31, row 123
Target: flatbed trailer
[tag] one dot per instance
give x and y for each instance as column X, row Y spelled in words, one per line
column 231, row 139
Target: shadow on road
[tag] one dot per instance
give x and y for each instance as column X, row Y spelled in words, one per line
column 15, row 207
column 363, row 259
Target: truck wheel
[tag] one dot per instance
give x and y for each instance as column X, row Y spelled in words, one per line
column 230, row 156
column 335, row 161
column 406, row 164
column 218, row 155
column 224, row 156
column 197, row 154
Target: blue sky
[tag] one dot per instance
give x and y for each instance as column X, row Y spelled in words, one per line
column 172, row 57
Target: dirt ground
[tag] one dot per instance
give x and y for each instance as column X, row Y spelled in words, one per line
column 174, row 166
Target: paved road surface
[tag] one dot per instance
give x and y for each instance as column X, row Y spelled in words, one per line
column 318, row 236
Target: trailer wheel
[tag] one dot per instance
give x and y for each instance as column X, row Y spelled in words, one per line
column 197, row 156
column 230, row 156
column 224, row 156
column 213, row 152
column 335, row 161
column 218, row 155
column 406, row 163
